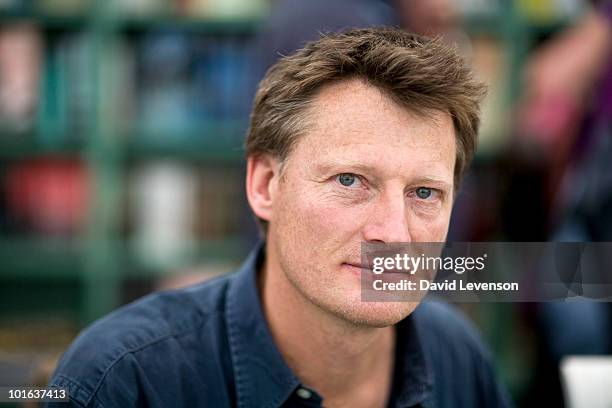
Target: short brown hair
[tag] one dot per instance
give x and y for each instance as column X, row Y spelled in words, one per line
column 417, row 72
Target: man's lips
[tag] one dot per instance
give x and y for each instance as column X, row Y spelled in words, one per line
column 358, row 265
column 368, row 268
column 356, row 269
column 365, row 273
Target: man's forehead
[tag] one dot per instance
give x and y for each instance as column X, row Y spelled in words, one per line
column 353, row 122
column 334, row 96
column 353, row 108
column 353, row 99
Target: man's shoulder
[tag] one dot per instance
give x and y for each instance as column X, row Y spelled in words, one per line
column 134, row 328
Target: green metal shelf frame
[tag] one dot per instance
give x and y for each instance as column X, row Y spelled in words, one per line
column 30, row 259
column 72, row 22
column 34, row 259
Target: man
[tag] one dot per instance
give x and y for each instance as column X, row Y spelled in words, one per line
column 358, row 137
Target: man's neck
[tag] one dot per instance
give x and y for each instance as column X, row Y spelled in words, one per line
column 341, row 361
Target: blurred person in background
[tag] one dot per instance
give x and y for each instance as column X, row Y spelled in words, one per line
column 566, row 114
column 567, row 92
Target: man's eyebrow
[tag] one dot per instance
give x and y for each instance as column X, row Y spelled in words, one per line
column 350, row 165
column 430, row 180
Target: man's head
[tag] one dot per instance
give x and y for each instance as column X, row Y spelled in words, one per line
column 360, row 136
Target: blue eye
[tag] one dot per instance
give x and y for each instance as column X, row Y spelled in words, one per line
column 423, row 193
column 347, row 179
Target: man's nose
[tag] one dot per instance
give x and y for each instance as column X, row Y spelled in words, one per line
column 388, row 220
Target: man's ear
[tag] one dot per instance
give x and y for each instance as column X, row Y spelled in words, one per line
column 261, row 184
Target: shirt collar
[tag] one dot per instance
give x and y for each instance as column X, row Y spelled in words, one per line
column 262, row 376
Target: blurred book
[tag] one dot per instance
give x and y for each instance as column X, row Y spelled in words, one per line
column 225, row 9
column 62, row 7
column 140, row 8
column 118, row 88
column 472, row 8
column 173, row 208
column 21, row 49
column 11, row 5
column 67, row 97
column 48, row 196
column 220, row 202
column 165, row 92
column 162, row 212
column 549, row 11
column 490, row 59
column 188, row 85
column 78, row 66
column 30, row 347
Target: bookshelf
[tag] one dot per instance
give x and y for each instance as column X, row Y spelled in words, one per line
column 80, row 270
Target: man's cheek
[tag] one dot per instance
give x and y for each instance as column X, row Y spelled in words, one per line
column 436, row 231
column 326, row 216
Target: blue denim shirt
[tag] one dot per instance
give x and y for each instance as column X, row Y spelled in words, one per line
column 209, row 346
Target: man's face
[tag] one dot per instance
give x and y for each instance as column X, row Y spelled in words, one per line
column 367, row 170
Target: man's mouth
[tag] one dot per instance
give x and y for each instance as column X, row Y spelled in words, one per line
column 357, row 269
column 359, row 266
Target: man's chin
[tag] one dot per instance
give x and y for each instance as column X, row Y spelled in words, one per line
column 375, row 314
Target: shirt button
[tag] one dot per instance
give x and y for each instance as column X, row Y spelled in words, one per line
column 304, row 393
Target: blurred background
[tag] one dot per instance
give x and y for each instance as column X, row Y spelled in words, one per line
column 121, row 160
